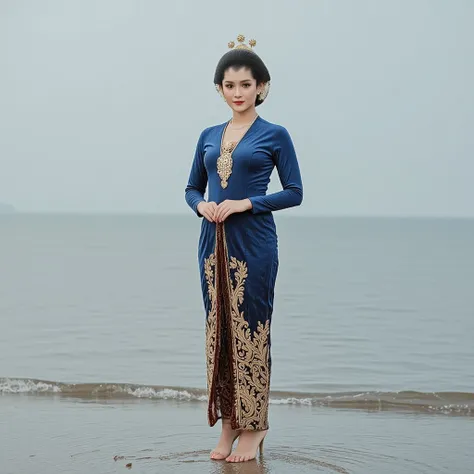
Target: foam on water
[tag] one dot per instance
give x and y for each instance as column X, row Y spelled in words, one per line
column 454, row 403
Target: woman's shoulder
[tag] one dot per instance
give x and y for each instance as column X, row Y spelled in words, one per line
column 209, row 131
column 276, row 129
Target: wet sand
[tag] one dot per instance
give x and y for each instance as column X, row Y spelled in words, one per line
column 45, row 435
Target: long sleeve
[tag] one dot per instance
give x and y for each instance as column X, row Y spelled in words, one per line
column 196, row 187
column 286, row 162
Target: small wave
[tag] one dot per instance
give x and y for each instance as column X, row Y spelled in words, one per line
column 27, row 386
column 455, row 403
column 165, row 394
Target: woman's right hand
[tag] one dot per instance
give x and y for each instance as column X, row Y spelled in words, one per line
column 207, row 209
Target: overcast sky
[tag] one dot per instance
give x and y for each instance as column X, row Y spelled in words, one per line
column 102, row 101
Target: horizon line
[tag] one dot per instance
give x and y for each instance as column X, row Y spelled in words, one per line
column 181, row 214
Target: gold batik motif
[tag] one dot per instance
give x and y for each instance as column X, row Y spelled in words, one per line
column 211, row 332
column 224, row 397
column 245, row 355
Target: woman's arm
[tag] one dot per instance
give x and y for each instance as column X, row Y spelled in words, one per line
column 196, row 187
column 288, row 169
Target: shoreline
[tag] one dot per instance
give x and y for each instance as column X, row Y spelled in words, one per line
column 405, row 401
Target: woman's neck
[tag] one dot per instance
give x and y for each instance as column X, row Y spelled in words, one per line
column 242, row 118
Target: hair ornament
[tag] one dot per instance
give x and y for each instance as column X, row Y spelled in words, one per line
column 241, row 45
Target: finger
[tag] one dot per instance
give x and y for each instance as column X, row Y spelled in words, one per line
column 226, row 214
column 212, row 215
column 221, row 212
column 208, row 215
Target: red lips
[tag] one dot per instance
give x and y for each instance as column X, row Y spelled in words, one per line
column 239, row 102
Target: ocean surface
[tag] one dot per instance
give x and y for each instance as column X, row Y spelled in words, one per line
column 373, row 317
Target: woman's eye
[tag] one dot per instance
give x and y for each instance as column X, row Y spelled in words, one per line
column 246, row 85
column 229, row 86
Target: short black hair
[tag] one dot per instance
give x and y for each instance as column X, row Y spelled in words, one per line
column 238, row 58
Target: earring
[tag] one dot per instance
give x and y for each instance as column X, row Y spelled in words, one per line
column 262, row 95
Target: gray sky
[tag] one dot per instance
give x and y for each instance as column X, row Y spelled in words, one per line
column 102, row 102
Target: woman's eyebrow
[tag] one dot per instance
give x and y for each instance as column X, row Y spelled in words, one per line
column 245, row 80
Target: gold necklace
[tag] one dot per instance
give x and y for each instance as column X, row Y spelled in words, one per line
column 243, row 126
column 239, row 128
column 225, row 162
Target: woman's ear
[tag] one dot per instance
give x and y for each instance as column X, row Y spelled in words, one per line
column 261, row 88
column 220, row 90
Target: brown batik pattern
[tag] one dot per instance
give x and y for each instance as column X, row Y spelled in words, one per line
column 238, row 372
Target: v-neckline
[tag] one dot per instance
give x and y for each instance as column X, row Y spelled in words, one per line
column 241, row 138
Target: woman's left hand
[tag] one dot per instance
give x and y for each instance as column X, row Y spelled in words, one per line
column 228, row 207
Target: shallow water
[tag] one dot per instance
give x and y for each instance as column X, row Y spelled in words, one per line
column 48, row 434
column 371, row 345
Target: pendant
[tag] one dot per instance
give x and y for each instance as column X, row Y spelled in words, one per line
column 224, row 164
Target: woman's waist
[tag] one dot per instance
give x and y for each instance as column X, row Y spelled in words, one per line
column 247, row 222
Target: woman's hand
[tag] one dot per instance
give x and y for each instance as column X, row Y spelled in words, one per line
column 228, row 207
column 207, row 209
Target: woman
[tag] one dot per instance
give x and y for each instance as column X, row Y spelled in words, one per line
column 238, row 252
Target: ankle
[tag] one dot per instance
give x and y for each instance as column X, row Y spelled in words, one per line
column 227, row 425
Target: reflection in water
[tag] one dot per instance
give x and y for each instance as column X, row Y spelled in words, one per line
column 270, row 463
column 256, row 466
column 274, row 463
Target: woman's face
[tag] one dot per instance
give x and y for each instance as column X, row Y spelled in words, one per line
column 239, row 89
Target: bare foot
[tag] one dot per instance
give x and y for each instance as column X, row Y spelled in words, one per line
column 249, row 441
column 224, row 446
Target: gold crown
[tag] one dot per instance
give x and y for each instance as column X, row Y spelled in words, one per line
column 241, row 39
